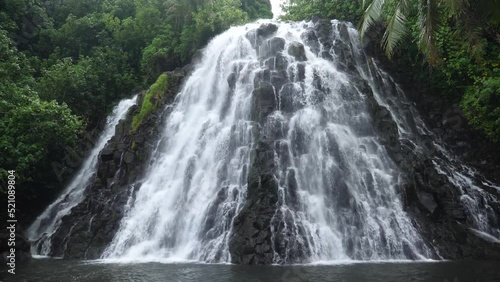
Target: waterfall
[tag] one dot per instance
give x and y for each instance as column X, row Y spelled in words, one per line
column 42, row 229
column 285, row 144
column 337, row 187
column 476, row 193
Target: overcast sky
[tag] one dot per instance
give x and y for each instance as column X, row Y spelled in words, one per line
column 276, row 7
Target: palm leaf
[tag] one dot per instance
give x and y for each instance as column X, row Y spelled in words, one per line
column 405, row 6
column 396, row 29
column 429, row 21
column 457, row 8
column 372, row 14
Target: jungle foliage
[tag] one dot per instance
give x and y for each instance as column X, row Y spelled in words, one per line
column 65, row 64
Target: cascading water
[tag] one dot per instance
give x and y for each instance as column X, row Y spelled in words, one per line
column 42, row 229
column 184, row 208
column 337, row 195
column 476, row 192
column 286, row 144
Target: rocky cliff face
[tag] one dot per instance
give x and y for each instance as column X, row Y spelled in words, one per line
column 437, row 191
column 433, row 199
column 91, row 225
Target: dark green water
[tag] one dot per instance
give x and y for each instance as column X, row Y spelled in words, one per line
column 66, row 271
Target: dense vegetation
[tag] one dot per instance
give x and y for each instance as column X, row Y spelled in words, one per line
column 450, row 46
column 344, row 10
column 65, row 64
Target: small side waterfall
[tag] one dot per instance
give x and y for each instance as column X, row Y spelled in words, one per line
column 476, row 193
column 42, row 229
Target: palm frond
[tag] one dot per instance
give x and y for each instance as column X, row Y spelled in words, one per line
column 457, row 8
column 372, row 14
column 396, row 30
column 472, row 32
column 404, row 6
column 476, row 45
column 429, row 21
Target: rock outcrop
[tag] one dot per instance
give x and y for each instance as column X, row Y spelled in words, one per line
column 91, row 225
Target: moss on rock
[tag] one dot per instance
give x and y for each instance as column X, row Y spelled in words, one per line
column 149, row 103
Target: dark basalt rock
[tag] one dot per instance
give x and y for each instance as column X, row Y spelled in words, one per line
column 264, row 101
column 301, row 72
column 107, row 154
column 427, row 200
column 292, row 189
column 311, row 40
column 286, row 95
column 323, row 31
column 266, row 30
column 276, row 63
column 296, row 49
column 256, row 37
column 343, row 49
column 280, row 62
column 231, row 80
column 128, row 157
column 271, row 47
column 278, row 79
column 250, row 241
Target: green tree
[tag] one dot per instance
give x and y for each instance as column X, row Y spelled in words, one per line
column 470, row 16
column 160, row 55
column 482, row 107
column 77, row 36
column 91, row 85
column 347, row 10
column 34, row 132
column 257, row 9
column 27, row 146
